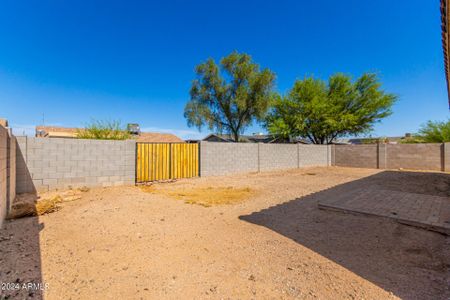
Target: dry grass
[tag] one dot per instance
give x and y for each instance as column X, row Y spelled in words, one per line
column 205, row 196
column 49, row 205
column 27, row 206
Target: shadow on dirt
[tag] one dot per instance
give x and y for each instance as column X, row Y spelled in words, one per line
column 20, row 259
column 409, row 262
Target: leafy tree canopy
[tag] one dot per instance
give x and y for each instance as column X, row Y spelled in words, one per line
column 321, row 111
column 434, row 132
column 229, row 97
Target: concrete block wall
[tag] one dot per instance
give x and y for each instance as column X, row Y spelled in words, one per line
column 23, row 176
column 432, row 157
column 11, row 171
column 218, row 158
column 414, row 156
column 358, row 156
column 48, row 164
column 278, row 156
column 314, row 155
column 3, row 173
column 446, row 157
column 227, row 158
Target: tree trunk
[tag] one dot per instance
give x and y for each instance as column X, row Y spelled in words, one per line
column 236, row 136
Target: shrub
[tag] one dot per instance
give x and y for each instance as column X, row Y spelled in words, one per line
column 104, row 130
column 435, row 132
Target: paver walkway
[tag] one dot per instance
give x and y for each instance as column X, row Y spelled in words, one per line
column 426, row 211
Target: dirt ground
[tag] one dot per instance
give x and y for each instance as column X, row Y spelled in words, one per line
column 274, row 243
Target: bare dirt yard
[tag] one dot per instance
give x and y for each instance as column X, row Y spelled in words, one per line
column 253, row 236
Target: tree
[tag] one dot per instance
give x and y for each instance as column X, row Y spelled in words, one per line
column 322, row 111
column 103, row 130
column 230, row 97
column 435, row 132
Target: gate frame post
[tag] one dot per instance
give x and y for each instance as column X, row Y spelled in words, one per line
column 170, row 161
column 135, row 163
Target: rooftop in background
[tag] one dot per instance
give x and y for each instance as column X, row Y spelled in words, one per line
column 445, row 22
column 155, row 137
column 255, row 138
column 374, row 140
column 66, row 132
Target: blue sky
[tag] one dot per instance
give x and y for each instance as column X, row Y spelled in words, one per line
column 134, row 60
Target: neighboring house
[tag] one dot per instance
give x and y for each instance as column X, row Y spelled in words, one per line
column 255, row 138
column 154, row 137
column 56, row 132
column 381, row 140
column 65, row 132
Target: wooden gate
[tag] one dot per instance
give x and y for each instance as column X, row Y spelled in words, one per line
column 163, row 161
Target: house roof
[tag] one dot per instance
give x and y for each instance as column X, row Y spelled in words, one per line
column 375, row 140
column 243, row 138
column 257, row 138
column 67, row 132
column 445, row 23
column 154, row 137
column 56, row 131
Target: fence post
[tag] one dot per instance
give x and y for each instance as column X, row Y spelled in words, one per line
column 382, row 156
column 446, row 157
column 333, row 155
column 259, row 157
column 11, row 148
column 199, row 158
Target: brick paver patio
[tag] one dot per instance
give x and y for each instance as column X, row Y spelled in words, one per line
column 426, row 211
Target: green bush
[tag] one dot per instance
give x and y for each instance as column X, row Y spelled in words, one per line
column 104, row 130
column 431, row 132
column 435, row 132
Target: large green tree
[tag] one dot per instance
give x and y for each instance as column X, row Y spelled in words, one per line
column 435, row 132
column 229, row 97
column 322, row 111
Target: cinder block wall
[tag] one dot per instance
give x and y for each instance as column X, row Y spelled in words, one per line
column 358, row 156
column 11, row 171
column 227, row 158
column 218, row 158
column 278, row 156
column 48, row 164
column 414, row 156
column 314, row 155
column 432, row 157
column 3, row 173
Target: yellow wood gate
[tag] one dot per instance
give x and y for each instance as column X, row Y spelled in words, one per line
column 163, row 161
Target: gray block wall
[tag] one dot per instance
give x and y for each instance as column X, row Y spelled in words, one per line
column 232, row 158
column 314, row 155
column 278, row 156
column 415, row 156
column 11, row 171
column 358, row 156
column 431, row 157
column 47, row 164
column 227, row 158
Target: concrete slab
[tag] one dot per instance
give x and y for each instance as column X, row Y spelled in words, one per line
column 425, row 211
